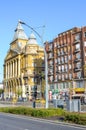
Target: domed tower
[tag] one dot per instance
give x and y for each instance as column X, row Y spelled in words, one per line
column 22, row 65
column 12, row 63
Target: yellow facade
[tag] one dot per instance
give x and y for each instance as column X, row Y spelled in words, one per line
column 22, row 65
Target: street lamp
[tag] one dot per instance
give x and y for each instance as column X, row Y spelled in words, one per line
column 46, row 70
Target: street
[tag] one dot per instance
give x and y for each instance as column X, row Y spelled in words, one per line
column 18, row 122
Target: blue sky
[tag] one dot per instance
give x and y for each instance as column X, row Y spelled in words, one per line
column 56, row 15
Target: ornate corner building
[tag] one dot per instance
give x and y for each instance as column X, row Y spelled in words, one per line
column 22, row 65
column 67, row 62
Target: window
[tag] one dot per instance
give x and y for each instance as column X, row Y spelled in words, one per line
column 55, row 60
column 66, row 59
column 70, row 76
column 62, row 59
column 70, row 57
column 33, row 80
column 58, row 52
column 51, row 63
column 79, row 74
column 50, row 55
column 84, row 34
column 51, row 78
column 85, row 43
column 62, row 51
column 59, row 60
column 66, row 68
column 59, row 76
column 66, row 76
column 77, row 37
column 77, row 46
column 59, row 68
column 78, row 65
column 62, row 68
column 62, row 77
column 51, row 87
column 55, row 44
column 33, row 64
column 50, row 47
column 70, row 66
column 78, row 55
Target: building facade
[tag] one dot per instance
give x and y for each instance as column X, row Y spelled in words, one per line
column 22, row 65
column 67, row 62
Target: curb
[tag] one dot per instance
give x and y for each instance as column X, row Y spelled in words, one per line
column 50, row 121
column 58, row 122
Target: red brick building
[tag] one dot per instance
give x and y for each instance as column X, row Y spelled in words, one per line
column 67, row 62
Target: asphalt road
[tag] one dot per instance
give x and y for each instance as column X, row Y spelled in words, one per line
column 15, row 122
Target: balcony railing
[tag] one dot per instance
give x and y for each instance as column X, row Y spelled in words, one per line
column 49, row 49
column 50, row 57
column 77, row 50
column 50, row 73
column 77, row 69
column 77, row 60
column 50, row 65
column 76, row 41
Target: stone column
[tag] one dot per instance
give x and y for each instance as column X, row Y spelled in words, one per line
column 6, row 71
column 16, row 67
column 13, row 68
column 10, row 69
column 19, row 66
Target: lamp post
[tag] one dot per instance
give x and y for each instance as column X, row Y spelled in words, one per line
column 46, row 77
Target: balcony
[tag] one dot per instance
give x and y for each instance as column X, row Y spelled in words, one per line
column 55, row 80
column 77, row 77
column 50, row 80
column 50, row 65
column 59, row 63
column 66, row 78
column 65, row 52
column 59, row 78
column 50, row 50
column 50, row 57
column 58, row 46
column 59, row 54
column 65, row 45
column 76, row 41
column 50, row 73
column 77, row 50
column 77, row 69
column 58, row 71
column 77, row 60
